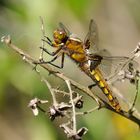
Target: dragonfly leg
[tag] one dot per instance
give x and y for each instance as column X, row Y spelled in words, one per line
column 50, row 62
column 51, row 53
column 91, row 86
column 48, row 41
column 62, row 62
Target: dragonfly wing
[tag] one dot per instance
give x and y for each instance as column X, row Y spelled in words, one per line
column 91, row 38
column 112, row 65
column 64, row 28
column 107, row 62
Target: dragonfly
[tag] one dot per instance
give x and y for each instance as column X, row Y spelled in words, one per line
column 67, row 43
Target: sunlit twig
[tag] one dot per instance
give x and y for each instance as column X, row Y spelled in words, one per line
column 131, row 116
column 73, row 106
column 42, row 43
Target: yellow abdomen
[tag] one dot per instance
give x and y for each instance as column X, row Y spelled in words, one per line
column 98, row 78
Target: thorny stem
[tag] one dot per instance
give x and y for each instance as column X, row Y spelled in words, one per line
column 73, row 107
column 60, row 91
column 42, row 42
column 41, row 58
column 50, row 89
column 135, row 116
column 87, row 112
column 134, row 102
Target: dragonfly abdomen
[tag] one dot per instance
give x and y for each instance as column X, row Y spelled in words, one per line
column 98, row 78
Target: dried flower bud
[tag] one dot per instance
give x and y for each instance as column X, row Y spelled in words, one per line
column 58, row 110
column 137, row 50
column 79, row 104
column 74, row 135
column 33, row 104
column 78, row 101
column 54, row 112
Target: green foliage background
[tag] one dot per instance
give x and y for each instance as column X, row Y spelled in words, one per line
column 119, row 31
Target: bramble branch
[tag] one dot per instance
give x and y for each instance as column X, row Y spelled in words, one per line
column 133, row 116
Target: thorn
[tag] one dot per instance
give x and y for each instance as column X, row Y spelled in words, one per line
column 24, row 58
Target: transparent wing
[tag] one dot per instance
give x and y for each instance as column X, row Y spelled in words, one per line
column 91, row 38
column 112, row 65
column 64, row 28
column 110, row 60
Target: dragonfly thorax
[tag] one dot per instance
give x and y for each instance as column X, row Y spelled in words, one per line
column 75, row 38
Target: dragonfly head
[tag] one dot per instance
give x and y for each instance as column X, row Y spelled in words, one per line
column 59, row 36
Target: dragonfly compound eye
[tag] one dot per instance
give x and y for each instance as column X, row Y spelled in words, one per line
column 59, row 36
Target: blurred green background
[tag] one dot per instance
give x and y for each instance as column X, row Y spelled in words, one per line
column 119, row 31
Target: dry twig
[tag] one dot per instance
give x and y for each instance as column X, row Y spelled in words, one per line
column 134, row 116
